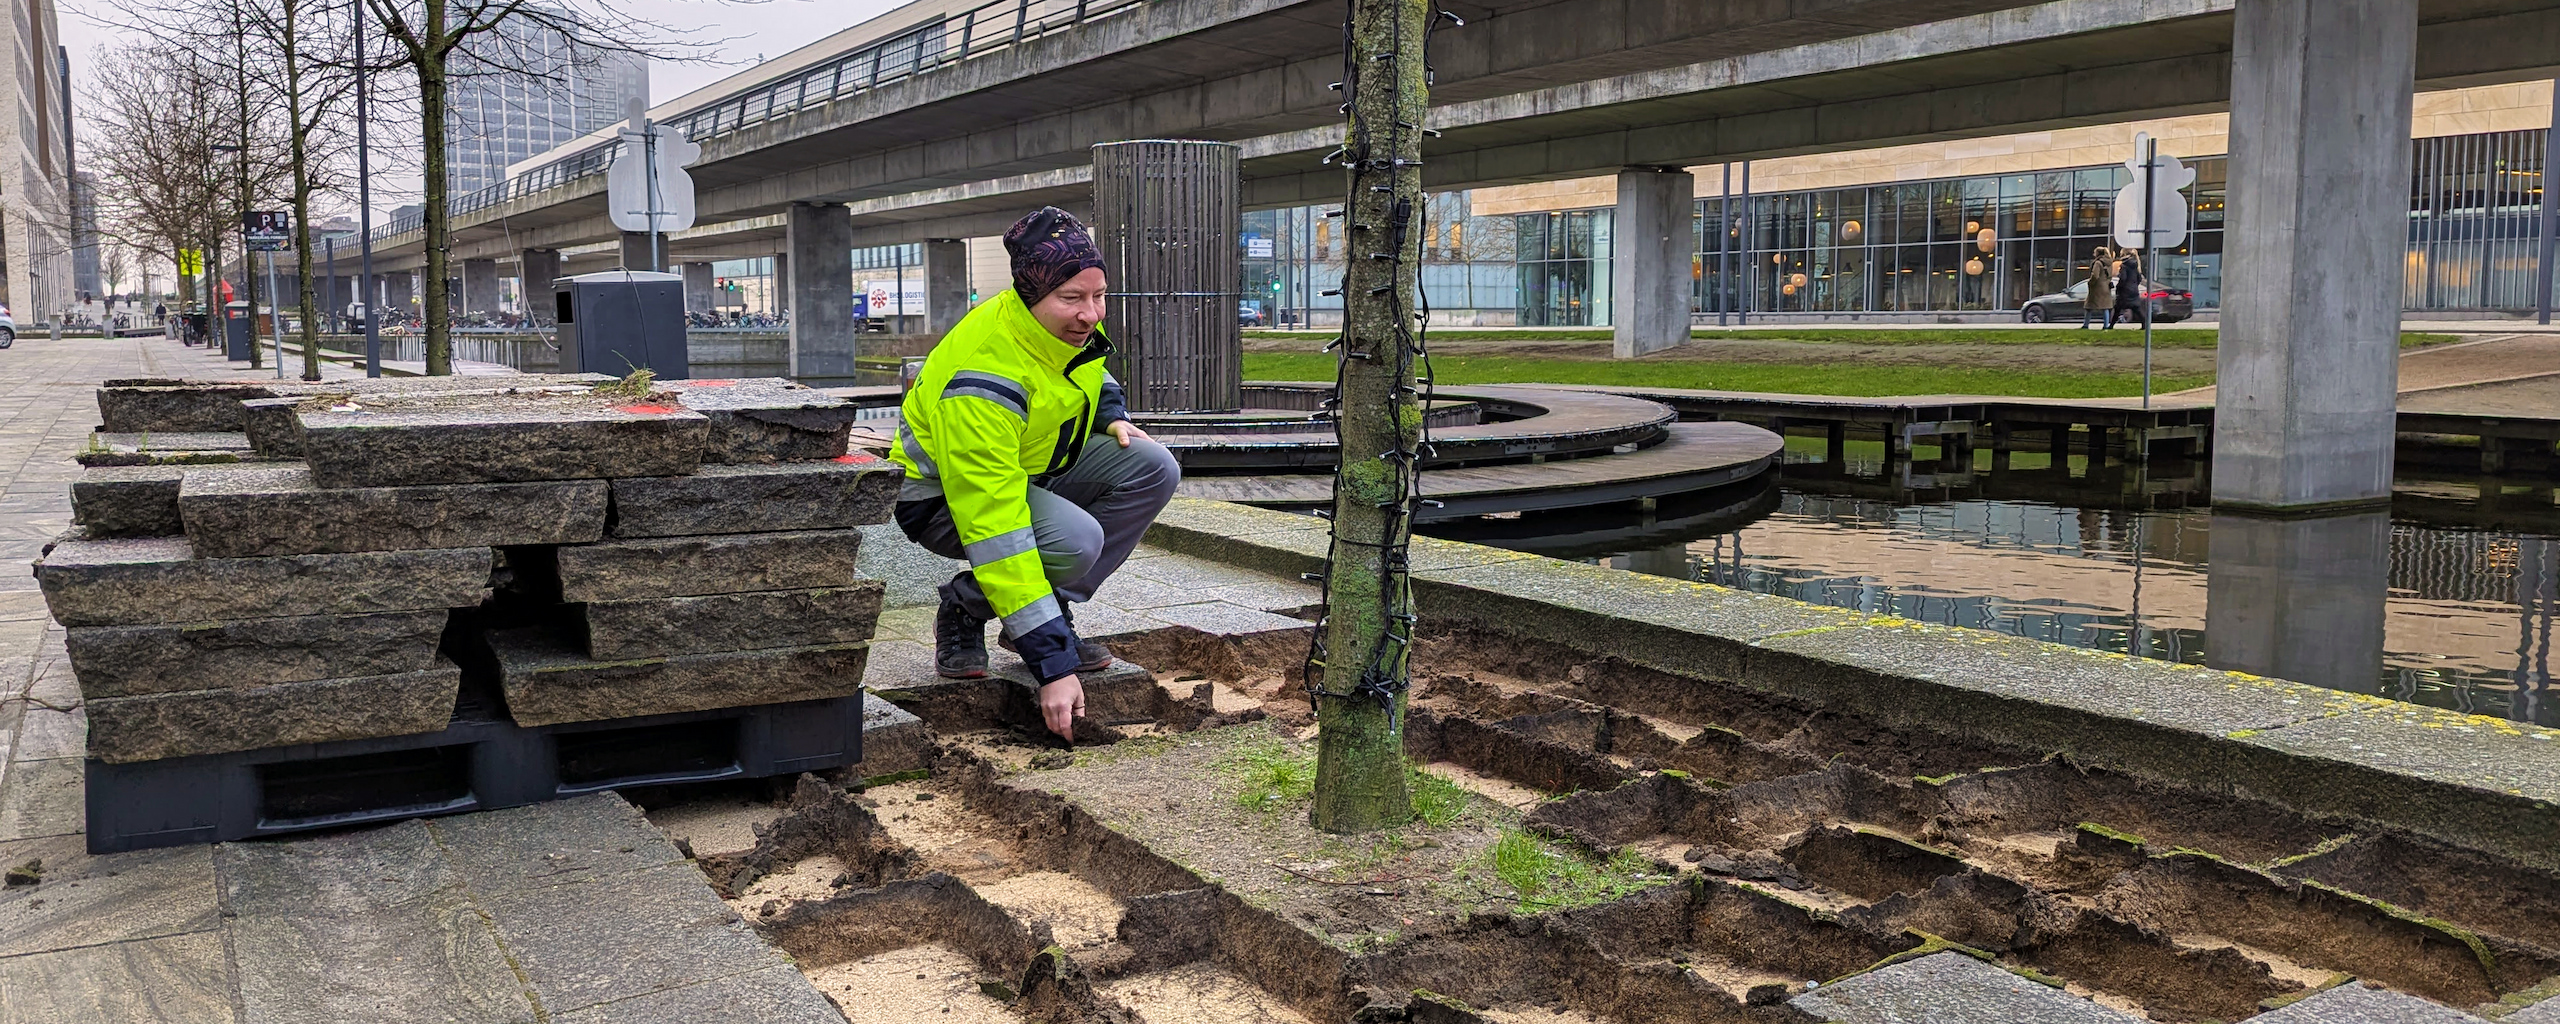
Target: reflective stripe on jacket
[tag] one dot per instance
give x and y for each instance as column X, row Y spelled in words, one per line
column 1000, row 405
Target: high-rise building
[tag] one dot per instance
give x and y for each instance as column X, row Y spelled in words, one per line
column 530, row 89
column 35, row 164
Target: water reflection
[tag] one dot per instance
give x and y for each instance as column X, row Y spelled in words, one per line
column 2448, row 615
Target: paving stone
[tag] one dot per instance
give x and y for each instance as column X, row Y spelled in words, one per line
column 126, row 661
column 668, row 626
column 547, row 681
column 1949, row 988
column 2356, row 1004
column 624, row 935
column 85, row 900
column 179, row 979
column 1096, row 620
column 123, row 730
column 899, row 665
column 128, row 501
column 44, row 733
column 156, row 579
column 893, row 740
column 2474, row 752
column 767, row 419
column 557, row 843
column 43, row 798
column 2545, row 1012
column 252, row 512
column 372, row 925
column 774, row 995
column 1222, row 619
column 177, row 406
column 912, row 572
column 174, row 441
column 624, row 570
column 498, row 439
column 829, row 495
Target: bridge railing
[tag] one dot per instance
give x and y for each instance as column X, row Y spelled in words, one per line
column 942, row 42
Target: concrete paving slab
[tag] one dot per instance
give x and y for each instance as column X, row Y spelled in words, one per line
column 614, row 937
column 1950, row 988
column 627, row 570
column 86, row 901
column 2356, row 1004
column 1675, row 625
column 670, row 626
column 179, row 979
column 124, row 730
column 44, row 733
column 548, row 679
column 1222, row 619
column 911, row 571
column 43, row 798
column 830, row 495
column 411, row 440
column 898, row 665
column 2470, row 751
column 774, row 995
column 556, row 843
column 127, row 661
column 366, row 925
column 162, row 579
column 2544, row 1012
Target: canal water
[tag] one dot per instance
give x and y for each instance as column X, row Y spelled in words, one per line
column 2446, row 600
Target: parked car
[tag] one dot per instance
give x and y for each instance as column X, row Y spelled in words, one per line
column 2168, row 305
column 8, row 328
column 1248, row 314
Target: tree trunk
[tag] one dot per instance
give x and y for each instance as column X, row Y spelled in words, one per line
column 301, row 135
column 1360, row 767
column 436, row 217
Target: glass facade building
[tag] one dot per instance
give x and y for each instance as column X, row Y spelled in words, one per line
column 1983, row 245
column 524, row 90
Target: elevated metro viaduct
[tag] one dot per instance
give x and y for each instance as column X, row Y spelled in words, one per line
column 826, row 153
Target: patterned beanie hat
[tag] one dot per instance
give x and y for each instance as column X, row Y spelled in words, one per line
column 1048, row 247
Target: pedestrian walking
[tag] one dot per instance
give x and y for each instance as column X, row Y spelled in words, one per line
column 2101, row 300
column 2131, row 286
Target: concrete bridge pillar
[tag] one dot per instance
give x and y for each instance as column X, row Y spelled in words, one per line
column 820, row 289
column 636, row 252
column 541, row 267
column 697, row 288
column 2299, row 599
column 479, row 286
column 2318, row 226
column 1654, row 242
column 782, row 275
column 946, row 284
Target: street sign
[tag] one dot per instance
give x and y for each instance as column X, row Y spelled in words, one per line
column 1257, row 247
column 2167, row 175
column 267, row 230
column 627, row 185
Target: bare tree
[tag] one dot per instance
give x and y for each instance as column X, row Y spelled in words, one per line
column 156, row 114
column 440, row 40
column 311, row 66
column 115, row 267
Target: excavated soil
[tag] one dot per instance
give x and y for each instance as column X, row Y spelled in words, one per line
column 1751, row 847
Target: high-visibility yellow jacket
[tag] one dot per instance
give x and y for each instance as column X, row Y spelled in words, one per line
column 1002, row 404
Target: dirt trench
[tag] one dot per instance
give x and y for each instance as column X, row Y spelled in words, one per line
column 1764, row 846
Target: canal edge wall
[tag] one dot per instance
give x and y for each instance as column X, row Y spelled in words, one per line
column 2471, row 780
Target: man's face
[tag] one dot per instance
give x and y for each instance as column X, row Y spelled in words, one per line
column 1070, row 312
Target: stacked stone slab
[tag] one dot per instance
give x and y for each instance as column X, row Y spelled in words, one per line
column 584, row 553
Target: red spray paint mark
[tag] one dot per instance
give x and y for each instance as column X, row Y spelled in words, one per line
column 648, row 410
column 857, row 458
column 711, row 383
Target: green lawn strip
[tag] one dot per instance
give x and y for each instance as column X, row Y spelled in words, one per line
column 1794, row 378
column 1550, row 876
column 2121, row 337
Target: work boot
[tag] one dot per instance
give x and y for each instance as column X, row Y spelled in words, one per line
column 959, row 639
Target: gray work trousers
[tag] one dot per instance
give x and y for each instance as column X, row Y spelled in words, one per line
column 1085, row 520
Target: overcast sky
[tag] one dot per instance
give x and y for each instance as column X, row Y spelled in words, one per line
column 739, row 32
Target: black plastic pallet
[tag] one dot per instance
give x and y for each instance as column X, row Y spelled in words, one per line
column 476, row 764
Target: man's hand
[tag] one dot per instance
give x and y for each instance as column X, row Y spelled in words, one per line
column 1125, row 431
column 1061, row 701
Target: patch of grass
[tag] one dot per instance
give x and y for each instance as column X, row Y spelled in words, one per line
column 1436, row 801
column 1822, row 379
column 641, row 382
column 1548, row 875
column 1270, row 774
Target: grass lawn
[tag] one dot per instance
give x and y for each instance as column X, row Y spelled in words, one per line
column 2165, row 337
column 1842, row 379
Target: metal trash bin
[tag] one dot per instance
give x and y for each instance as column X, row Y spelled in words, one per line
column 237, row 339
column 618, row 321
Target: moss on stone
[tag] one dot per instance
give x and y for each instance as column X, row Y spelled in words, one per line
column 2103, row 832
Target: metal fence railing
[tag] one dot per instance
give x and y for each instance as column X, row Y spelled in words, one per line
column 942, row 42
